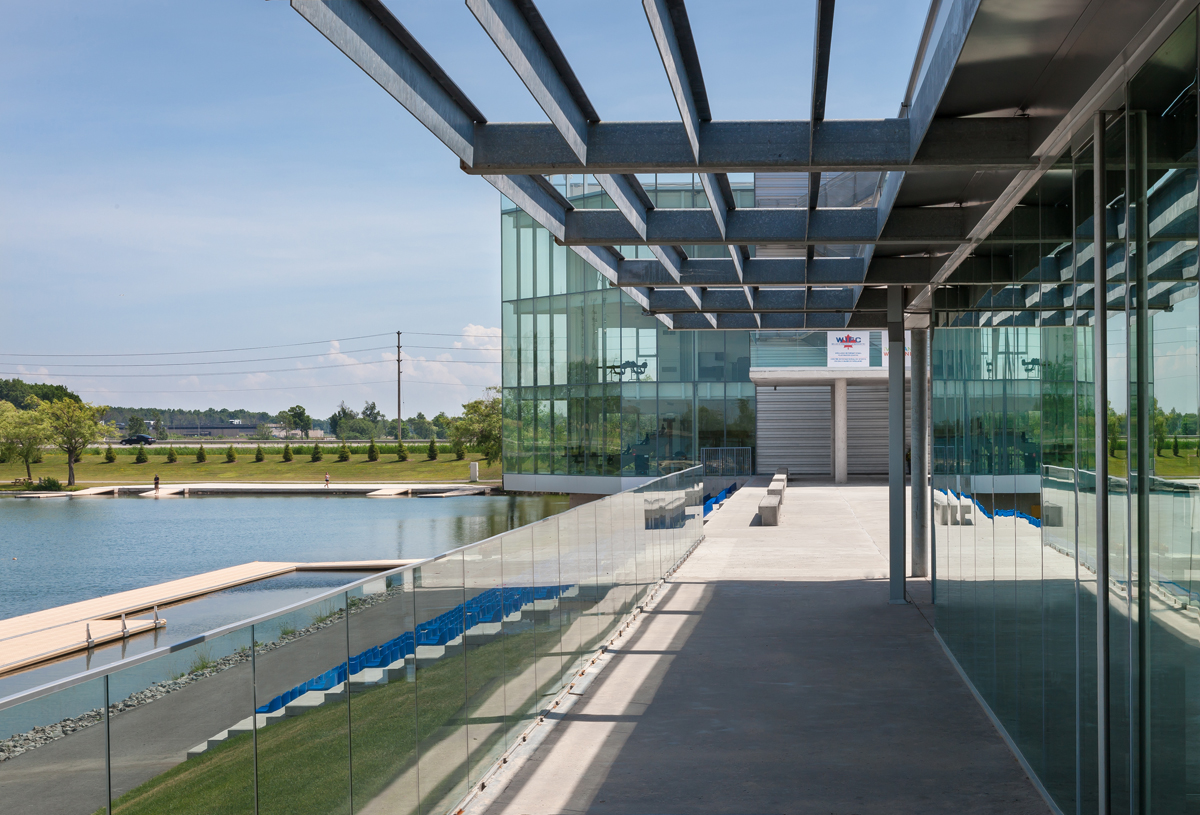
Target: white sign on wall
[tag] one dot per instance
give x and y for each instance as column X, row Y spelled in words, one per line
column 907, row 349
column 848, row 349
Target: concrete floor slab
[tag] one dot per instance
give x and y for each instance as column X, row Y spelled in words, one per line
column 773, row 677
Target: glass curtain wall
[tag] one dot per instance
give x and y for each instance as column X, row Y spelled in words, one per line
column 1018, row 541
column 591, row 384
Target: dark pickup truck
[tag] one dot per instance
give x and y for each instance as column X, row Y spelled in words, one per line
column 140, row 438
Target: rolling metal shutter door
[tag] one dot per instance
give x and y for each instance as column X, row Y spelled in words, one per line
column 867, row 428
column 794, row 430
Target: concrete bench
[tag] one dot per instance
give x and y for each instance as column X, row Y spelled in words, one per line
column 769, row 509
column 778, row 486
column 783, row 471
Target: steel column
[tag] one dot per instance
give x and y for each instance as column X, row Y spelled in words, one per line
column 1100, row 375
column 840, row 446
column 896, row 520
column 919, row 445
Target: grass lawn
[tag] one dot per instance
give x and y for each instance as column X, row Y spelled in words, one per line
column 95, row 470
column 1165, row 466
column 303, row 762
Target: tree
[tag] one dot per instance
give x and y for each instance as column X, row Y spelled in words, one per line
column 432, row 451
column 259, row 455
column 141, row 457
column 317, row 455
column 420, row 427
column 372, row 413
column 373, row 451
column 262, row 431
column 172, row 456
column 160, row 427
column 343, row 452
column 230, row 455
column 343, row 413
column 287, row 452
column 287, row 423
column 460, row 450
column 300, row 419
column 201, row 456
column 22, row 434
column 17, row 392
column 401, row 451
column 72, row 426
column 479, row 426
column 441, row 425
column 110, row 455
column 1175, row 446
column 135, row 425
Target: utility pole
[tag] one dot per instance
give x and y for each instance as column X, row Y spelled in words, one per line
column 400, row 402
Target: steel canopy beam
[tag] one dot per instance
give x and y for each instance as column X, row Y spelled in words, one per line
column 756, row 146
column 366, row 32
column 792, row 301
column 920, row 226
column 783, row 272
column 781, row 322
column 518, row 30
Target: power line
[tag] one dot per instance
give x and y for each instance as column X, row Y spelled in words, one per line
column 211, row 351
column 249, row 348
column 259, row 359
column 306, row 387
column 248, row 373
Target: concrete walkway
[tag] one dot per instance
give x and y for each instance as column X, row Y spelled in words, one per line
column 773, row 677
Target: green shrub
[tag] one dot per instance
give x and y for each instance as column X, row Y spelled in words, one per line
column 230, row 455
column 402, row 452
column 110, row 455
column 172, row 456
column 201, row 456
column 287, row 452
column 141, row 458
column 1175, row 446
column 373, row 452
column 259, row 455
column 49, row 484
column 432, row 452
column 343, row 452
column 37, row 457
column 459, row 449
column 316, row 453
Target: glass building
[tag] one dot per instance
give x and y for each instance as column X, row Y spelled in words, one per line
column 597, row 395
column 1067, row 530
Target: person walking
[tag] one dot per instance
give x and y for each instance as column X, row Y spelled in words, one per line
column 156, row 483
column 326, row 480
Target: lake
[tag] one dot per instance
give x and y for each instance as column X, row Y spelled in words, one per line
column 59, row 551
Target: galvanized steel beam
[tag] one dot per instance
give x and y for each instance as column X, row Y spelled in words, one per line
column 756, row 146
column 518, row 30
column 366, row 32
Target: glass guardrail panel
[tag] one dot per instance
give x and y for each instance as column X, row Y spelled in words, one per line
column 570, row 602
column 301, row 710
column 548, row 629
column 589, row 596
column 181, row 730
column 53, row 753
column 609, row 590
column 633, row 510
column 484, row 640
column 383, row 700
column 520, row 633
column 441, row 687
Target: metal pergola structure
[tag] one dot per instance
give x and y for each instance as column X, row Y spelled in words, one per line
column 896, row 245
column 997, row 92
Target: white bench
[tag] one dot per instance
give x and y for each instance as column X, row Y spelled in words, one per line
column 769, row 509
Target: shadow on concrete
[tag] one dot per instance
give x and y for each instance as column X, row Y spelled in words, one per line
column 774, row 697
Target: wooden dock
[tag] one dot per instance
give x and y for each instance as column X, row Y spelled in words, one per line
column 55, row 632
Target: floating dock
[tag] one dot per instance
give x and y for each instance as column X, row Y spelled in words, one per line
column 375, row 490
column 56, row 632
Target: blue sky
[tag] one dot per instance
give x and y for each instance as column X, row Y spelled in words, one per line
column 190, row 176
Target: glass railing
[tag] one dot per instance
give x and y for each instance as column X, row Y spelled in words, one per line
column 393, row 694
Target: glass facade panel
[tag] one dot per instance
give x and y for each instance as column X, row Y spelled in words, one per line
column 564, row 325
column 1016, row 494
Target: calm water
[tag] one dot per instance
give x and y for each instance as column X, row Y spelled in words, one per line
column 61, row 551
